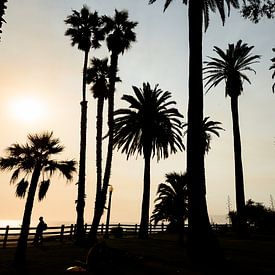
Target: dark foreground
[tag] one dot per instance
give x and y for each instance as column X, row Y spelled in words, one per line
column 157, row 256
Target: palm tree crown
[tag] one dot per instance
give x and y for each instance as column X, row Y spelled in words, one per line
column 23, row 159
column 119, row 31
column 171, row 201
column 212, row 5
column 230, row 67
column 148, row 122
column 85, row 29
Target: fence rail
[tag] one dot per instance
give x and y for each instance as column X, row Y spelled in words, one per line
column 9, row 235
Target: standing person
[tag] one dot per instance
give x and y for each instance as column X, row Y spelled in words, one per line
column 38, row 238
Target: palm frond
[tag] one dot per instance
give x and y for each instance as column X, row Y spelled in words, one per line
column 21, row 188
column 43, row 188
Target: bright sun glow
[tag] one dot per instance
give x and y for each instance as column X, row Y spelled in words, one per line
column 27, row 109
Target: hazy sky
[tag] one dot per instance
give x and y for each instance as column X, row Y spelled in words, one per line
column 40, row 88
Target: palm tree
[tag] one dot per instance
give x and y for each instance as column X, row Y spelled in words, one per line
column 98, row 74
column 150, row 127
column 273, row 68
column 171, row 201
column 230, row 67
column 34, row 162
column 85, row 32
column 201, row 238
column 120, row 35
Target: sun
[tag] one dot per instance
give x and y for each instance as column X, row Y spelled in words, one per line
column 27, row 109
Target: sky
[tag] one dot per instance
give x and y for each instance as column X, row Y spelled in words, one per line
column 40, row 90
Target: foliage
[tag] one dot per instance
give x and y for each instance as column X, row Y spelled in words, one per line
column 230, row 67
column 148, row 122
column 2, row 12
column 258, row 217
column 272, row 67
column 254, row 10
column 171, row 201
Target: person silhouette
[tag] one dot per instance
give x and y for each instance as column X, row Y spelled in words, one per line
column 38, row 238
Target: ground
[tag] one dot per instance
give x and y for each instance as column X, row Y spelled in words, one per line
column 159, row 255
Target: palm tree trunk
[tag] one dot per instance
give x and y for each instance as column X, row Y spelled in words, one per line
column 239, row 181
column 82, row 157
column 20, row 253
column 101, row 200
column 144, row 222
column 201, row 241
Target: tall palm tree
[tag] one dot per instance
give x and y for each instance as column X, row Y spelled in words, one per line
column 150, row 127
column 85, row 32
column 201, row 238
column 34, row 162
column 98, row 75
column 120, row 35
column 272, row 67
column 230, row 67
column 171, row 201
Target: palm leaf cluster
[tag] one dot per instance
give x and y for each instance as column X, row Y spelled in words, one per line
column 230, row 67
column 36, row 152
column 171, row 201
column 148, row 123
column 209, row 5
column 272, row 67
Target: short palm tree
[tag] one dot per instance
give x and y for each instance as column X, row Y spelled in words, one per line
column 150, row 127
column 34, row 162
column 230, row 67
column 209, row 127
column 120, row 35
column 272, row 67
column 85, row 32
column 171, row 201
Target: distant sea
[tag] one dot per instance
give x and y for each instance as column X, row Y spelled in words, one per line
column 219, row 219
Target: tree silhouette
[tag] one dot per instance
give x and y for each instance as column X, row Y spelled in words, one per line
column 230, row 68
column 273, row 68
column 171, row 201
column 2, row 12
column 33, row 161
column 119, row 31
column 150, row 127
column 254, row 10
column 201, row 242
column 85, row 32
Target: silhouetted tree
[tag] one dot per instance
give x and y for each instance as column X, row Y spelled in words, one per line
column 33, row 161
column 150, row 127
column 171, row 201
column 120, row 35
column 85, row 32
column 209, row 127
column 273, row 68
column 2, row 12
column 201, row 241
column 230, row 67
column 254, row 10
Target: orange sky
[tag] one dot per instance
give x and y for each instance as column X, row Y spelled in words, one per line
column 38, row 64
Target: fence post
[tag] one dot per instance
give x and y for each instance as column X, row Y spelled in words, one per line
column 136, row 228
column 71, row 231
column 62, row 232
column 102, row 228
column 6, row 237
column 85, row 228
column 162, row 227
column 150, row 228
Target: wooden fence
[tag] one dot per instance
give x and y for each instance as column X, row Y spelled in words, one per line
column 9, row 235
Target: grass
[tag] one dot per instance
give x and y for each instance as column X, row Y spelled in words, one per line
column 159, row 255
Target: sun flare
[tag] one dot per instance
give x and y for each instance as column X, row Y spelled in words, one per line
column 27, row 109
